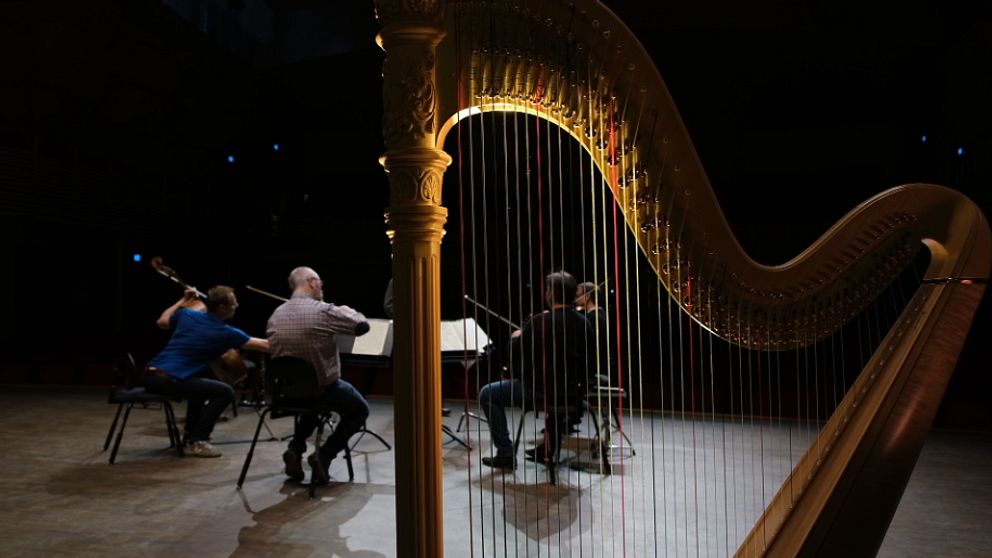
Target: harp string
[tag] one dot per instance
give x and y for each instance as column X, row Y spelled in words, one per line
column 459, row 85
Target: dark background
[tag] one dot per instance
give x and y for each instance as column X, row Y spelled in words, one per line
column 117, row 119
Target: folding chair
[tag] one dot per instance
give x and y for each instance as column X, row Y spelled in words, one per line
column 290, row 387
column 127, row 390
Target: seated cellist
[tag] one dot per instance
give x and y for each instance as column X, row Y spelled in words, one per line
column 182, row 369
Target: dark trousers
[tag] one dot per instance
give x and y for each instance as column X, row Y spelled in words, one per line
column 205, row 400
column 349, row 404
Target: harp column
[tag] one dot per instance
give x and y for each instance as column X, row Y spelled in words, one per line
column 411, row 30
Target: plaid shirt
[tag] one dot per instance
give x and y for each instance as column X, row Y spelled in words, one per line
column 305, row 328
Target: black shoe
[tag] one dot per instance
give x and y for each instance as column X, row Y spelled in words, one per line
column 538, row 454
column 319, row 474
column 294, row 465
column 507, row 462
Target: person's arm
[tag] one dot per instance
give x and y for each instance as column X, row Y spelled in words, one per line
column 521, row 349
column 188, row 300
column 257, row 344
column 346, row 320
column 387, row 300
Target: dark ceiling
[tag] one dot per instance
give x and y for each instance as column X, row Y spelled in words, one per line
column 784, row 98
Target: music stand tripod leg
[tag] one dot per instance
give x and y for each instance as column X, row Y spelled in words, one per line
column 361, row 434
column 447, row 430
column 461, row 421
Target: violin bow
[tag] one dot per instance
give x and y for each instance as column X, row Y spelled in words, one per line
column 266, row 293
column 497, row 316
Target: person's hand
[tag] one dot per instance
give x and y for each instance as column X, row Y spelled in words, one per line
column 191, row 301
column 345, row 308
column 516, row 333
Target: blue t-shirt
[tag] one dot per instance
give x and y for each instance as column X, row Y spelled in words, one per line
column 198, row 339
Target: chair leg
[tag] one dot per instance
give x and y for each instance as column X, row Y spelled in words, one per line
column 520, row 430
column 594, row 415
column 180, row 443
column 554, row 458
column 113, row 426
column 316, row 452
column 120, row 434
column 616, row 420
column 347, row 460
column 251, row 449
column 168, row 425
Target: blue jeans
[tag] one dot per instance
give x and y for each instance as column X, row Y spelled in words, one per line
column 494, row 398
column 205, row 400
column 349, row 404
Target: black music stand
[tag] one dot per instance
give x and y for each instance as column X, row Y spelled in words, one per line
column 374, row 348
column 462, row 341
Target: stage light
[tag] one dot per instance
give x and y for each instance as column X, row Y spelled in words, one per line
column 230, row 159
column 924, row 138
column 960, row 151
column 136, row 258
column 275, row 147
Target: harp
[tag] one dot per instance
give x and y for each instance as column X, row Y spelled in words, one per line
column 574, row 65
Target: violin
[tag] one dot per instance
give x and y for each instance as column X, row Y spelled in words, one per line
column 230, row 367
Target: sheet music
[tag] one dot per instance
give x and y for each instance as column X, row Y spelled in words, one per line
column 461, row 335
column 457, row 336
column 377, row 342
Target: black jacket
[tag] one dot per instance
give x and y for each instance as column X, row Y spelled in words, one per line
column 552, row 356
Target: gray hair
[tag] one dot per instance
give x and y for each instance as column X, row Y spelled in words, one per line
column 300, row 275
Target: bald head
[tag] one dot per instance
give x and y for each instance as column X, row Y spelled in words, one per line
column 306, row 281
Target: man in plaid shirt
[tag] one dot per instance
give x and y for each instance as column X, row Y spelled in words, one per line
column 304, row 327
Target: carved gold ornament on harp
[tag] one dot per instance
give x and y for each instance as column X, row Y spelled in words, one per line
column 575, row 65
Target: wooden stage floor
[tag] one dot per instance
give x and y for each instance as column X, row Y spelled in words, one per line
column 61, row 498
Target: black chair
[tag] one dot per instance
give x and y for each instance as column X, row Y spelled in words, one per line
column 127, row 390
column 574, row 406
column 290, row 385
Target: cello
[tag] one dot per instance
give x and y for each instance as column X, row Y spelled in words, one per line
column 230, row 367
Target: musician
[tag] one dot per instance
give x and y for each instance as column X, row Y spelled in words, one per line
column 182, row 368
column 304, row 327
column 549, row 357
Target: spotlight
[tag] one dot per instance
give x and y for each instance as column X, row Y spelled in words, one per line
column 960, row 151
column 230, row 159
column 136, row 258
column 275, row 147
column 924, row 138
